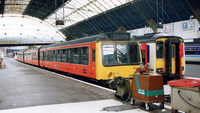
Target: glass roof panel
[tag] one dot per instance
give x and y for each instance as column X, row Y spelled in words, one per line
column 117, row 2
column 78, row 10
column 68, row 9
column 95, row 9
column 111, row 4
column 100, row 6
column 76, row 17
column 105, row 4
column 15, row 6
column 27, row 29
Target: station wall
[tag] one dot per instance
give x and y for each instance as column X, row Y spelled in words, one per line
column 188, row 29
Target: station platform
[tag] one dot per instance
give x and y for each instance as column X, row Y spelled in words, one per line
column 28, row 89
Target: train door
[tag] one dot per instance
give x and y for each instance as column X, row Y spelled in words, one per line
column 172, row 57
column 160, row 59
column 173, row 51
column 93, row 60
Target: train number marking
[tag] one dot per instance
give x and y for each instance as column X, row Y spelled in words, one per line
column 84, row 71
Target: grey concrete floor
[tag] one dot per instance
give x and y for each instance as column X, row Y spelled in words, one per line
column 192, row 70
column 22, row 85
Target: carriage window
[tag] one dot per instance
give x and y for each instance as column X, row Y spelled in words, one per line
column 93, row 55
column 41, row 56
column 51, row 56
column 159, row 49
column 108, row 54
column 76, row 55
column 45, row 55
column 122, row 55
column 68, row 56
column 54, row 55
column 85, row 55
column 190, row 51
column 63, row 55
column 48, row 56
column 58, row 55
column 32, row 56
column 72, row 55
column 36, row 56
column 134, row 53
column 199, row 51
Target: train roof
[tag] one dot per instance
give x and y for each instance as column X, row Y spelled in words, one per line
column 113, row 36
column 152, row 37
column 21, row 51
column 192, row 44
column 34, row 49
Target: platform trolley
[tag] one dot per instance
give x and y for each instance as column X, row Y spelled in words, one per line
column 147, row 88
column 185, row 95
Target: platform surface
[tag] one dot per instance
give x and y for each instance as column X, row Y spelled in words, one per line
column 27, row 89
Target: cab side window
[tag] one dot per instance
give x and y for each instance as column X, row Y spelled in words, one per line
column 159, row 49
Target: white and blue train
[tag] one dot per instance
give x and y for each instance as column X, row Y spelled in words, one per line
column 192, row 52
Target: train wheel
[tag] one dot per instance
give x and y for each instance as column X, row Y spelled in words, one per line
column 147, row 106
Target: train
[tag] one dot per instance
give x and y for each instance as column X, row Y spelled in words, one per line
column 164, row 54
column 192, row 52
column 20, row 55
column 101, row 57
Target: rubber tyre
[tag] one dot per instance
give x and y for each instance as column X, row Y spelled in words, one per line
column 132, row 102
column 117, row 96
column 125, row 96
column 147, row 106
column 162, row 105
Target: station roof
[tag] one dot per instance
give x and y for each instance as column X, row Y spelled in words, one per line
column 133, row 15
column 90, row 17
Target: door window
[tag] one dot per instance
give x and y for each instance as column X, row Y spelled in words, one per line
column 159, row 49
column 173, row 51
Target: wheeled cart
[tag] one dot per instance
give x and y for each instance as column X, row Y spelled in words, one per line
column 147, row 89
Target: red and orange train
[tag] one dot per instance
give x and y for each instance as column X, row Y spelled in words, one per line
column 100, row 57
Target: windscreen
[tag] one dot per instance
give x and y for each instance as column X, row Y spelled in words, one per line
column 120, row 54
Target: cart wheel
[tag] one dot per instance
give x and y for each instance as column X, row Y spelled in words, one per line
column 147, row 106
column 132, row 101
column 162, row 105
column 117, row 96
column 125, row 96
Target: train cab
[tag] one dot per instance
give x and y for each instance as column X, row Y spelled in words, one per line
column 165, row 54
